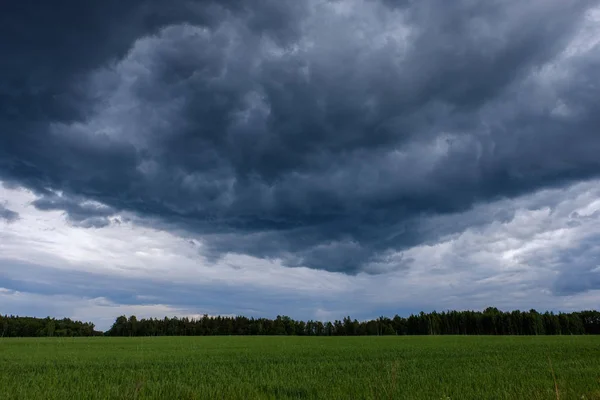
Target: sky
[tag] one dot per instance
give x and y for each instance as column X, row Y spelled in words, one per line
column 309, row 158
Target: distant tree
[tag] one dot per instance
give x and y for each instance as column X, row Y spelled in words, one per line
column 50, row 327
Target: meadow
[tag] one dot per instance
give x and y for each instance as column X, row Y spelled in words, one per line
column 392, row 367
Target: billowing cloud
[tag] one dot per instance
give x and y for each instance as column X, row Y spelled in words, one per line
column 334, row 135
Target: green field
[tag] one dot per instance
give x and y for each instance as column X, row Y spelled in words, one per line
column 430, row 367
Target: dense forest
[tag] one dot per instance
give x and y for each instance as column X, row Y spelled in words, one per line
column 489, row 322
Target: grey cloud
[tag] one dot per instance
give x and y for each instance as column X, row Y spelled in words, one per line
column 327, row 134
column 80, row 212
column 580, row 268
column 8, row 215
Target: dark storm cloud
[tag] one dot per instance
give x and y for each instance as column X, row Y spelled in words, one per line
column 324, row 133
column 46, row 47
column 8, row 215
column 80, row 212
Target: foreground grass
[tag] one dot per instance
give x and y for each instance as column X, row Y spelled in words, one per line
column 301, row 368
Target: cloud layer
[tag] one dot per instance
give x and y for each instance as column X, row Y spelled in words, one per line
column 324, row 141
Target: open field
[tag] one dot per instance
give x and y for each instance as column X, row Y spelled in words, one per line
column 427, row 367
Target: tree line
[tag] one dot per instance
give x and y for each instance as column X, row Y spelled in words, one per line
column 14, row 326
column 489, row 322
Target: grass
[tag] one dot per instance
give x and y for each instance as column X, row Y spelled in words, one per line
column 431, row 367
